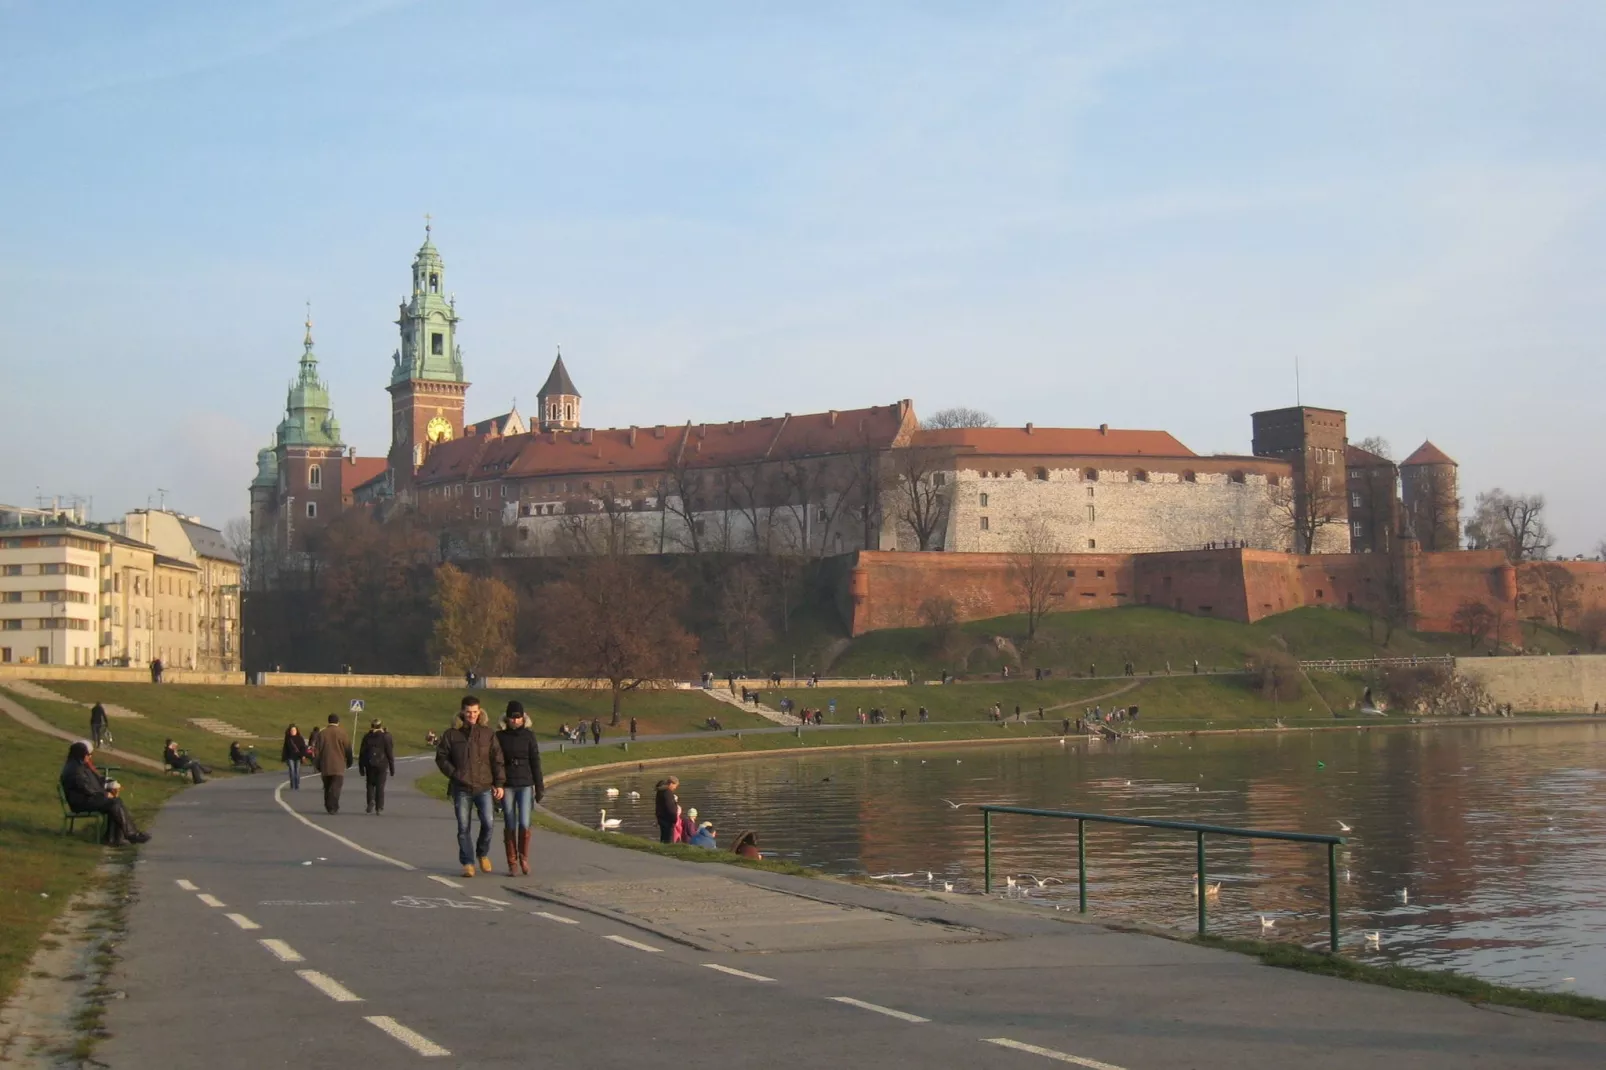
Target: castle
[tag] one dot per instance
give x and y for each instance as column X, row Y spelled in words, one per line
column 817, row 484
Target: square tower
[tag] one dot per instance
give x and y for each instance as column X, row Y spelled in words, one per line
column 1314, row 441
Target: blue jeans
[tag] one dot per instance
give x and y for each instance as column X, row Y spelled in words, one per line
column 516, row 806
column 465, row 804
column 295, row 774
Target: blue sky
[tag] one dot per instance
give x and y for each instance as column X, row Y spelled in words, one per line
column 1068, row 213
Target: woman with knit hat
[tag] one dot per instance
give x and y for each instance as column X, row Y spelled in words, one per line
column 521, row 755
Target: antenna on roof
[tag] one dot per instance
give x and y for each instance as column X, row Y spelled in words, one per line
column 1297, row 400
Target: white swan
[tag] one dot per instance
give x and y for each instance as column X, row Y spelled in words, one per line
column 1374, row 939
column 606, row 823
column 1267, row 924
column 947, row 886
column 635, row 796
column 1404, row 894
column 612, row 793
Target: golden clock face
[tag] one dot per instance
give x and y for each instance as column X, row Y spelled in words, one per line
column 438, row 430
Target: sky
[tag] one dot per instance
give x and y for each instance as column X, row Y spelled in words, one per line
column 1140, row 214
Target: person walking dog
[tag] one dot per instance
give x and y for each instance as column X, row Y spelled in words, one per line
column 471, row 759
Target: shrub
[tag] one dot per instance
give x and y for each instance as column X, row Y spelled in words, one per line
column 1275, row 674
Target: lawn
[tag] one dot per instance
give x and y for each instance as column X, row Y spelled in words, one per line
column 408, row 713
column 43, row 869
column 953, row 702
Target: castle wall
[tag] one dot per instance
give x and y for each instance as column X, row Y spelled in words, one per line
column 1567, row 684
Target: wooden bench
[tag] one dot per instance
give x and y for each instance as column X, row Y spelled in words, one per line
column 69, row 816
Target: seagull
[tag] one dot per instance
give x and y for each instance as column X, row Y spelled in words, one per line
column 1374, row 939
column 1211, row 890
column 1267, row 924
column 1010, row 883
column 1404, row 894
column 928, row 876
column 1042, row 882
column 1345, row 828
column 953, row 805
column 888, row 876
column 606, row 823
column 612, row 793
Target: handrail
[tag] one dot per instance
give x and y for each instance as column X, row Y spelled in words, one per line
column 1199, row 831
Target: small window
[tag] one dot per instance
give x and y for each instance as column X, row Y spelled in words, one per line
column 1140, row 476
column 1092, row 515
column 434, row 287
column 1042, row 474
column 437, row 343
column 476, row 490
column 640, row 484
column 1355, row 501
column 1092, row 544
column 1237, row 477
column 1099, row 573
column 312, row 510
column 476, row 512
column 1356, row 528
column 939, row 479
column 984, row 501
column 1090, row 492
column 1319, row 594
column 1355, row 473
column 1189, row 477
column 1327, row 483
column 984, row 526
column 1070, row 574
column 1274, row 481
column 1091, row 475
column 315, row 477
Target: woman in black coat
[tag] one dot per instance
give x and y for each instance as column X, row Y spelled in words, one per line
column 86, row 793
column 293, row 754
column 523, row 786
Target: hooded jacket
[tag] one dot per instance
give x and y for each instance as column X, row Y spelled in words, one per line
column 471, row 758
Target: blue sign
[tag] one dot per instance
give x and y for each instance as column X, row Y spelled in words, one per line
column 356, row 705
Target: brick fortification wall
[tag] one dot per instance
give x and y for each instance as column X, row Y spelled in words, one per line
column 885, row 590
column 1572, row 684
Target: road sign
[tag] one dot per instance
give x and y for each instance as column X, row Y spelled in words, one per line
column 356, row 705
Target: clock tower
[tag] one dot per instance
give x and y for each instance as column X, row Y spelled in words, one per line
column 426, row 379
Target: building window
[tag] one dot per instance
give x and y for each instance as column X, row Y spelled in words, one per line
column 5, row 655
column 1099, row 574
column 1355, row 501
column 476, row 490
column 1090, row 492
column 1140, row 476
column 312, row 510
column 1042, row 473
column 1070, row 573
column 1327, row 483
column 1091, row 514
column 1091, row 475
column 1355, row 473
column 476, row 512
column 984, row 501
column 1092, row 544
column 1189, row 477
column 1356, row 528
column 437, row 343
column 434, row 286
column 315, row 477
column 939, row 479
column 984, row 526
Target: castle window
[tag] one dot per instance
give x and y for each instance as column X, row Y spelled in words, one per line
column 1092, row 544
column 1091, row 514
column 984, row 501
column 1091, row 475
column 640, row 483
column 476, row 512
column 1237, row 477
column 315, row 477
column 1355, row 473
column 434, row 283
column 437, row 343
column 1274, row 481
column 1356, row 528
column 939, row 479
column 312, row 510
column 1327, row 483
column 1070, row 573
column 1189, row 477
column 476, row 490
column 1099, row 573
column 1140, row 476
column 984, row 526
column 1355, row 501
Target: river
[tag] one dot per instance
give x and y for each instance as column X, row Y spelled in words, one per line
column 1477, row 849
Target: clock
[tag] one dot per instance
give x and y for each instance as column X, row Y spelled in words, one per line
column 438, row 430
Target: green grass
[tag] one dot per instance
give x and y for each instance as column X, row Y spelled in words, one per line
column 954, row 702
column 407, row 713
column 1293, row 957
column 43, row 869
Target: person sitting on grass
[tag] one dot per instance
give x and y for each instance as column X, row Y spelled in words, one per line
column 747, row 845
column 89, row 793
column 704, row 836
column 244, row 759
column 177, row 759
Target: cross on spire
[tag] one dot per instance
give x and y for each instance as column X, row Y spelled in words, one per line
column 308, row 338
column 428, row 221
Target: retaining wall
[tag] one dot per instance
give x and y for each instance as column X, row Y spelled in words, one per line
column 1571, row 683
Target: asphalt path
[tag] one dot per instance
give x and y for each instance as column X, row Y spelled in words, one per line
column 266, row 933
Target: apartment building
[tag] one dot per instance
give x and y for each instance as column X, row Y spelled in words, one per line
column 209, row 574
column 50, row 594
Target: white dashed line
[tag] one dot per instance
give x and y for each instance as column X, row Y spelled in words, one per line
column 734, row 972
column 278, row 797
column 904, row 1016
column 444, row 880
column 243, row 922
column 282, row 951
column 632, row 943
column 418, row 1042
column 329, row 986
column 488, row 899
column 187, row 886
column 554, row 917
column 209, row 900
column 1050, row 1053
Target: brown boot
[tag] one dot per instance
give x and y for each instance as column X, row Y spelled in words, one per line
column 524, row 851
column 512, row 852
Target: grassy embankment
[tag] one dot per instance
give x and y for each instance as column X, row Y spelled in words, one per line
column 43, row 869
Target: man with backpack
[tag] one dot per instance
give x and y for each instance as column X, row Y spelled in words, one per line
column 376, row 761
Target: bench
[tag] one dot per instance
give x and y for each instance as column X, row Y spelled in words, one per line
column 69, row 816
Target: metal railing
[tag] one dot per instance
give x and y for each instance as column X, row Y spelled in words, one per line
column 1199, row 831
column 1363, row 664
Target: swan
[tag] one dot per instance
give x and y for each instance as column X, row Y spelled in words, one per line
column 635, row 796
column 1404, row 894
column 947, row 886
column 1010, row 883
column 1374, row 939
column 1212, row 889
column 612, row 793
column 1267, row 924
column 606, row 823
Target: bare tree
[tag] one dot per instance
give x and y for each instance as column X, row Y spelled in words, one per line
column 817, row 490
column 1036, row 570
column 1592, row 626
column 1378, row 445
column 600, row 527
column 1305, row 503
column 744, row 608
column 958, row 416
column 1600, row 550
column 1473, row 619
column 1557, row 590
column 1435, row 509
column 1514, row 523
column 616, row 619
column 237, row 534
column 921, row 492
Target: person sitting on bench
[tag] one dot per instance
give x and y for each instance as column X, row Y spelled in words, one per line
column 87, row 793
column 177, row 759
column 244, row 759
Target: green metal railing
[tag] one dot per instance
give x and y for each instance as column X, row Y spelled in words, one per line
column 1199, row 831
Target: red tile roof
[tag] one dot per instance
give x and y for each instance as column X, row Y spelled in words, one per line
column 658, row 449
column 1427, row 453
column 1062, row 441
column 357, row 471
column 1359, row 458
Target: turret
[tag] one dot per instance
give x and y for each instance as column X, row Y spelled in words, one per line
column 559, row 406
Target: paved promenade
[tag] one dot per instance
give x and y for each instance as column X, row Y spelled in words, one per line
column 266, row 933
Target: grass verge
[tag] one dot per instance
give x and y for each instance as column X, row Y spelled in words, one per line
column 1438, row 982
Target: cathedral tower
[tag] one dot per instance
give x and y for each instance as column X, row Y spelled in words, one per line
column 426, row 380
column 559, row 408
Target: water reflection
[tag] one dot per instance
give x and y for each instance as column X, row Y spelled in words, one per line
column 1496, row 836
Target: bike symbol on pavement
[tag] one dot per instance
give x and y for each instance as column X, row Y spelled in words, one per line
column 426, row 902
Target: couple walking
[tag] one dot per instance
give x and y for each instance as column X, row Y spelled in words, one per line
column 482, row 766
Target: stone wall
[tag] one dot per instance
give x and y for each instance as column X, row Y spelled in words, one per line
column 112, row 675
column 1567, row 684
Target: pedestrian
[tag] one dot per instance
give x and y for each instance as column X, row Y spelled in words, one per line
column 632, row 729
column 156, row 670
column 1017, row 715
column 924, row 715
column 666, row 808
column 903, row 714
column 97, row 724
column 522, row 787
column 747, row 845
column 1039, row 713
column 292, row 754
column 596, row 732
column 88, row 792
column 334, row 758
column 376, row 761
column 471, row 758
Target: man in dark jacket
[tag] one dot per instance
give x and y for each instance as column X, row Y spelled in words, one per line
column 471, row 758
column 86, row 794
column 97, row 724
column 376, row 761
column 522, row 787
column 334, row 758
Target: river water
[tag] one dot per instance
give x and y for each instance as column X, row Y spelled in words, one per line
column 1477, row 849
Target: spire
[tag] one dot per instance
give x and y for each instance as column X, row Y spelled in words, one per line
column 308, row 420
column 428, row 323
column 558, row 382
column 558, row 406
column 306, row 342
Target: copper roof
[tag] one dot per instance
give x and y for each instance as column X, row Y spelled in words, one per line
column 1427, row 453
column 1063, row 441
column 662, row 448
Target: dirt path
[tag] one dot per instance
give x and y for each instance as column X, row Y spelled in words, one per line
column 28, row 720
